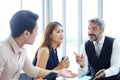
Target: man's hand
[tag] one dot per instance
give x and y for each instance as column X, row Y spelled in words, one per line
column 99, row 74
column 80, row 59
column 67, row 74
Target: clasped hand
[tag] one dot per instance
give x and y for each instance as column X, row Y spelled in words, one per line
column 64, row 63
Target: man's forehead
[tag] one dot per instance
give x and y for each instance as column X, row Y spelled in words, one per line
column 93, row 25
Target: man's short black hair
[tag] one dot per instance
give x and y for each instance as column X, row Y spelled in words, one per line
column 21, row 21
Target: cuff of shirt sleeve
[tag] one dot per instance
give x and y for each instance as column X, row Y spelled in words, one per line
column 51, row 76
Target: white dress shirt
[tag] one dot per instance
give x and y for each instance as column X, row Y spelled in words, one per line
column 114, row 61
column 14, row 59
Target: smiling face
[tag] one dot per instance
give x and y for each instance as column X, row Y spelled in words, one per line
column 57, row 35
column 95, row 32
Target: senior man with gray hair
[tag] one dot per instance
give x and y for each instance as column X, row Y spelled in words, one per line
column 100, row 55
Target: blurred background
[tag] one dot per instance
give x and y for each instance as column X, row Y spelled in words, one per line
column 72, row 14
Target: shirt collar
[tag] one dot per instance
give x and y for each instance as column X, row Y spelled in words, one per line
column 14, row 45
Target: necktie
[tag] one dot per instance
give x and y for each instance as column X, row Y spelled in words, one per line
column 97, row 47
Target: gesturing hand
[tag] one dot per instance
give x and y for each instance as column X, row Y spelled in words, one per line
column 68, row 74
column 80, row 59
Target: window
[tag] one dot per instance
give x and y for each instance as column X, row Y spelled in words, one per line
column 35, row 6
column 89, row 11
column 111, row 15
column 8, row 8
column 67, row 13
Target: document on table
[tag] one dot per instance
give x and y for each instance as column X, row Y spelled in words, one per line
column 85, row 78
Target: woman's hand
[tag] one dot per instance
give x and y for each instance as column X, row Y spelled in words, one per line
column 64, row 63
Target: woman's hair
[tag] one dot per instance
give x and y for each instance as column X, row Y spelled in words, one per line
column 46, row 40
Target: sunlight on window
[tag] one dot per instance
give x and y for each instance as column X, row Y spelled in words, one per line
column 35, row 6
column 89, row 10
column 5, row 16
column 111, row 15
